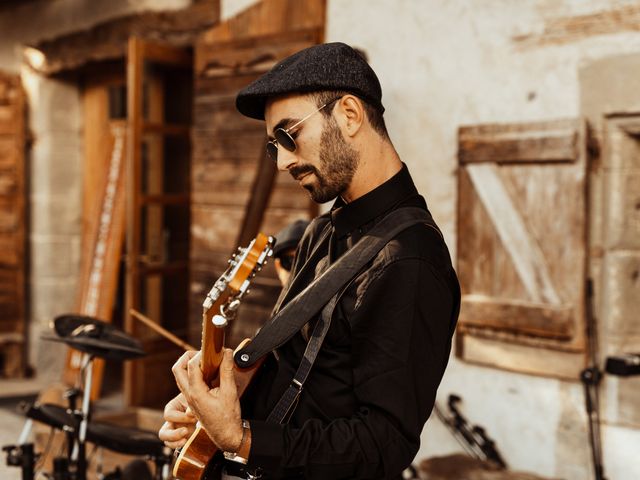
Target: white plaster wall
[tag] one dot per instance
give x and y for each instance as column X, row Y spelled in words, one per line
column 446, row 63
column 229, row 8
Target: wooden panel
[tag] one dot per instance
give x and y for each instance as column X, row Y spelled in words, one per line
column 10, row 218
column 12, row 226
column 9, row 251
column 9, row 289
column 153, row 384
column 534, row 360
column 269, row 17
column 513, row 233
column 227, row 147
column 555, row 141
column 157, row 211
column 214, row 228
column 102, row 247
column 8, row 182
column 8, row 151
column 522, row 235
column 535, row 319
column 234, row 58
column 7, row 119
column 172, row 56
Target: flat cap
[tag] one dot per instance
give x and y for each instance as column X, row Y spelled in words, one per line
column 330, row 66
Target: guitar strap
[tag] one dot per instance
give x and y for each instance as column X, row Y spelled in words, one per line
column 322, row 295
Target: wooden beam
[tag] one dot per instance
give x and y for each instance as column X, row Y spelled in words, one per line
column 537, row 142
column 523, row 358
column 540, row 320
column 261, row 192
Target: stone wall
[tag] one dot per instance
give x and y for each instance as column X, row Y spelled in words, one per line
column 55, row 204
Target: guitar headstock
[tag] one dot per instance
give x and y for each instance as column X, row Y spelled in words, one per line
column 235, row 281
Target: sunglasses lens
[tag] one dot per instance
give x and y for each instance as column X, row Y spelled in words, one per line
column 285, row 139
column 272, row 151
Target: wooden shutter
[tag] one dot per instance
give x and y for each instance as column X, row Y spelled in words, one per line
column 522, row 245
column 12, row 227
column 229, row 148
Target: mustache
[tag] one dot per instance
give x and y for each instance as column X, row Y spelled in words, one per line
column 300, row 170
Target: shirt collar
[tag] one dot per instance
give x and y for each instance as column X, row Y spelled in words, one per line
column 346, row 217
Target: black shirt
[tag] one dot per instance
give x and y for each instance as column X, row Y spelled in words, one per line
column 374, row 382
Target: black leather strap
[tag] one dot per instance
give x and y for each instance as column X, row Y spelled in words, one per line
column 304, row 306
column 281, row 412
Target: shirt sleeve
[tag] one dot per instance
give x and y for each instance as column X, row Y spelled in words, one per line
column 401, row 339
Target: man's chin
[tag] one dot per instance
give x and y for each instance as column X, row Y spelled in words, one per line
column 319, row 197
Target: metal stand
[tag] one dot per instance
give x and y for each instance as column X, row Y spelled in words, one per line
column 590, row 378
column 79, row 454
column 22, row 456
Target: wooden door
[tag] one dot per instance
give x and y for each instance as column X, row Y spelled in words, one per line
column 159, row 90
column 13, row 332
column 229, row 161
column 522, row 246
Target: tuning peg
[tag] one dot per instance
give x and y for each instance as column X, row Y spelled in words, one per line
column 219, row 320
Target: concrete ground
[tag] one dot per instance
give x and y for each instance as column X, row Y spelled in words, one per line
column 12, row 392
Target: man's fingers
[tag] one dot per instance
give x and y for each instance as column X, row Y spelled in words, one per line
column 195, row 379
column 171, row 433
column 174, row 436
column 177, row 444
column 227, row 378
column 179, row 370
column 179, row 417
column 184, row 359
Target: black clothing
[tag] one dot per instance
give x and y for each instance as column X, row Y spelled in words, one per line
column 374, row 382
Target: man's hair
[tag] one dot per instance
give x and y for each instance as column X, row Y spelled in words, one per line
column 373, row 114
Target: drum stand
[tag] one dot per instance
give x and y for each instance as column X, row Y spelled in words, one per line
column 94, row 338
column 75, row 466
column 22, row 455
column 78, row 456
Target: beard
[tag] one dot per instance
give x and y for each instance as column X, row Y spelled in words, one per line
column 338, row 163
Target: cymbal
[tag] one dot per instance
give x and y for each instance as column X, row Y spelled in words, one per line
column 95, row 337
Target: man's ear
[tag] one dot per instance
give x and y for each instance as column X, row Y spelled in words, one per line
column 352, row 114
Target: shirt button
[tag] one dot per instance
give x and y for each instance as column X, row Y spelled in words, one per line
column 244, row 357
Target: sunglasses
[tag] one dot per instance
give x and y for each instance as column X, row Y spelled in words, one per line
column 283, row 136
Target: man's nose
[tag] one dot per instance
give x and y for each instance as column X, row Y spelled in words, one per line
column 286, row 159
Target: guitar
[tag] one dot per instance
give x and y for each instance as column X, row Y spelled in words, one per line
column 220, row 306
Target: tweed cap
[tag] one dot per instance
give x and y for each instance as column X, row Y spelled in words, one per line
column 330, row 66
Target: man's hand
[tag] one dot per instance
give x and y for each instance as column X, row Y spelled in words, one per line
column 179, row 423
column 217, row 409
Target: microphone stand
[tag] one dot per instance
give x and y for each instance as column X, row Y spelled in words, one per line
column 591, row 377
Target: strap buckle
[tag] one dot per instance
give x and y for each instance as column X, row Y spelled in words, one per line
column 296, row 384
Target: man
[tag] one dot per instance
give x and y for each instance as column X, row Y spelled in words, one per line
column 373, row 384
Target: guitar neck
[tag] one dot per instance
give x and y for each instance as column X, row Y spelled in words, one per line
column 212, row 342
